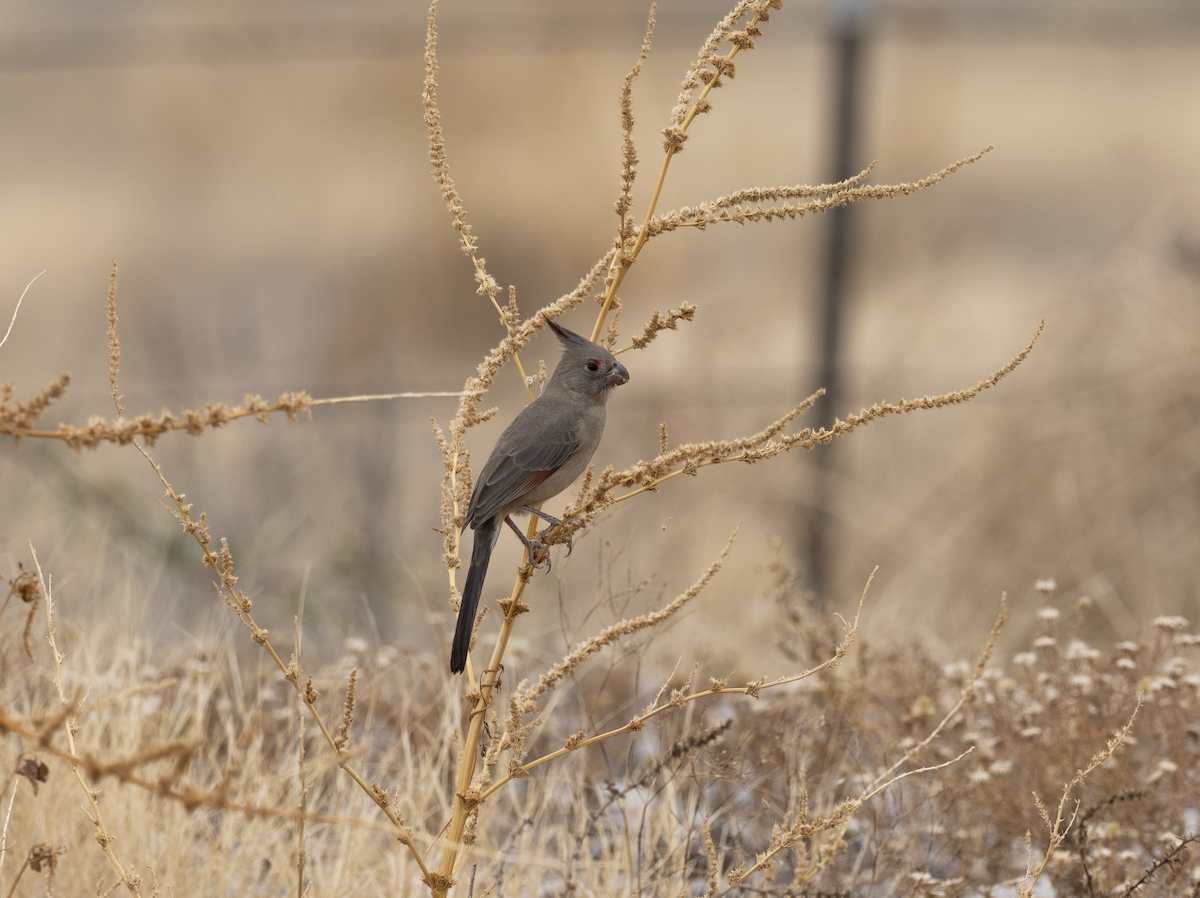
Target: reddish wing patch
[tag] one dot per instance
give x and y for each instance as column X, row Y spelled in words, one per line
column 536, row 477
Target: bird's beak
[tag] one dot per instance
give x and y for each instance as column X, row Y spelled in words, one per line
column 619, row 375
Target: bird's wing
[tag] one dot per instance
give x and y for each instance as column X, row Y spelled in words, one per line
column 513, row 470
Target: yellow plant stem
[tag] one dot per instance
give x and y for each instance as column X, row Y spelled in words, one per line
column 466, row 770
column 623, row 262
column 454, row 850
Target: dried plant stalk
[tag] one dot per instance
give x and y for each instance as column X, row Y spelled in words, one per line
column 16, row 419
column 131, row 880
column 705, row 74
column 237, row 601
column 647, row 476
column 736, row 208
column 123, row 770
column 521, row 703
column 114, row 345
column 1061, row 824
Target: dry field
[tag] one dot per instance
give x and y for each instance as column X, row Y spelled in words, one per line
column 1010, row 708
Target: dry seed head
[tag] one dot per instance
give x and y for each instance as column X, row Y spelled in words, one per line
column 343, row 735
column 629, row 157
column 16, row 417
column 114, row 347
column 746, row 206
column 698, row 73
column 437, row 144
column 123, row 430
column 659, row 322
column 541, row 377
column 610, row 339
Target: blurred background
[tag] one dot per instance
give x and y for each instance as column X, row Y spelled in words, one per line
column 259, row 171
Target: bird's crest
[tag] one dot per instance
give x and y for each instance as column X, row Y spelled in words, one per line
column 566, row 337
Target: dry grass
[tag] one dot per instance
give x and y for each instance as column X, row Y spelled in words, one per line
column 637, row 810
column 209, row 771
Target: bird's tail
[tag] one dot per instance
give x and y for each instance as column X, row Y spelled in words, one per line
column 486, row 535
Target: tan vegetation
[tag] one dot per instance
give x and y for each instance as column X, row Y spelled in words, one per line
column 867, row 768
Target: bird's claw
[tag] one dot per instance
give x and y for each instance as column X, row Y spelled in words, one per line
column 570, row 542
column 532, row 554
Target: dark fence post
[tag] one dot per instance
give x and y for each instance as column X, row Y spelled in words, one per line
column 847, row 27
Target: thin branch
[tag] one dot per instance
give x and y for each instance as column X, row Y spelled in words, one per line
column 300, row 761
column 735, row 208
column 222, row 565
column 131, row 880
column 7, row 817
column 120, row 771
column 123, row 430
column 678, row 700
column 841, row 815
column 1168, row 858
column 18, row 308
column 1061, row 825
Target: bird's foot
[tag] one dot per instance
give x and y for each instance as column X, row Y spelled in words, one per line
column 532, row 547
column 570, row 542
column 552, row 522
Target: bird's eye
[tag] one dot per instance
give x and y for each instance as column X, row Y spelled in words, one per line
column 593, row 366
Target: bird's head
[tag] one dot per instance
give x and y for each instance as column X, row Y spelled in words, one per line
column 585, row 367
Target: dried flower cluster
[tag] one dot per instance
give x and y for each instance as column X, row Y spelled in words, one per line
column 659, row 322
column 747, row 205
column 17, row 418
column 626, row 233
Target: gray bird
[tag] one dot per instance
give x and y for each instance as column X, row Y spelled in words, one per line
column 538, row 456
